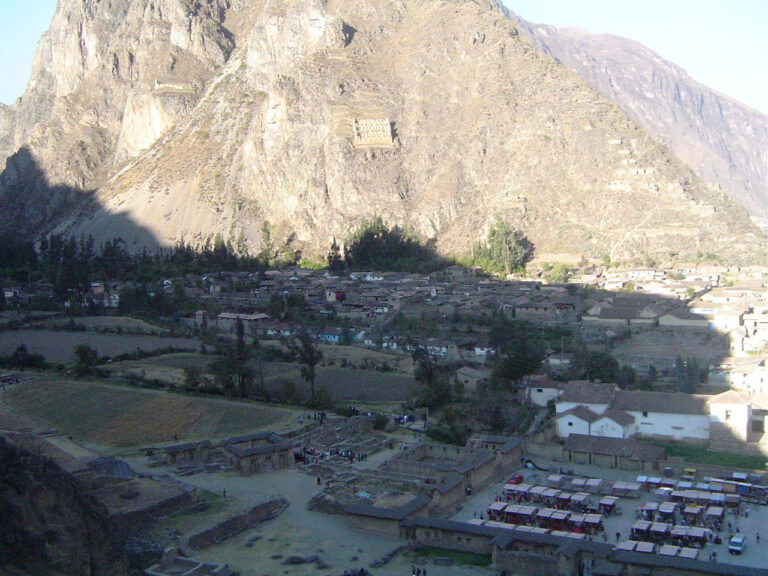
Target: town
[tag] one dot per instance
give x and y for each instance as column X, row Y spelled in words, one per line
column 579, row 420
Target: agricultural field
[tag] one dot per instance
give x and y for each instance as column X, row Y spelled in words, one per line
column 343, row 384
column 124, row 417
column 57, row 346
column 359, row 357
column 110, row 323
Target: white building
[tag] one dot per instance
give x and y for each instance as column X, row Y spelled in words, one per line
column 666, row 414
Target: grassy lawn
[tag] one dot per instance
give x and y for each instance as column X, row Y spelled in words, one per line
column 458, row 557
column 701, row 455
column 121, row 416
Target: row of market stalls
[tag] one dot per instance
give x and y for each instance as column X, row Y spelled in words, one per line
column 663, row 550
column 559, row 499
column 732, row 491
column 531, row 529
column 664, row 533
column 546, row 518
column 692, row 514
column 747, row 491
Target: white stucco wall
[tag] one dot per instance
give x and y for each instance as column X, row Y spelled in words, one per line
column 735, row 416
column 677, row 426
column 609, row 429
column 578, row 426
column 541, row 398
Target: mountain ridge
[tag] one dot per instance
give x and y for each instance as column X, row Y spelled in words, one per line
column 254, row 130
column 724, row 141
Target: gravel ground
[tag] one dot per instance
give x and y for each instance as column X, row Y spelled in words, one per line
column 297, row 531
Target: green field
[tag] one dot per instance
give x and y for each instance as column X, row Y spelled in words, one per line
column 119, row 416
column 702, row 455
column 459, row 557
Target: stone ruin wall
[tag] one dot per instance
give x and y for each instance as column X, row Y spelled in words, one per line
column 372, row 133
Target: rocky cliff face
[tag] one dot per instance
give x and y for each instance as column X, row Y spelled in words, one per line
column 192, row 118
column 46, row 521
column 723, row 141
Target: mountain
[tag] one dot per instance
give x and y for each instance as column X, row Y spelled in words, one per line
column 157, row 120
column 722, row 140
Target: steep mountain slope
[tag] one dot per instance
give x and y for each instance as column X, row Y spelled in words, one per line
column 310, row 115
column 723, row 141
column 47, row 521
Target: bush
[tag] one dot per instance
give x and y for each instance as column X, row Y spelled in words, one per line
column 452, row 435
column 380, row 421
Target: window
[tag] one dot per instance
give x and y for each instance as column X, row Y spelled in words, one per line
column 570, row 423
column 645, row 414
column 540, row 390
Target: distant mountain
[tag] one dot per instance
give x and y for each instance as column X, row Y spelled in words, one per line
column 157, row 120
column 722, row 140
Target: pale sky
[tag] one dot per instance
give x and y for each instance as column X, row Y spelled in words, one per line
column 720, row 43
column 22, row 22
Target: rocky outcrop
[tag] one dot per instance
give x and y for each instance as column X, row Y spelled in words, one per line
column 722, row 140
column 47, row 521
column 212, row 117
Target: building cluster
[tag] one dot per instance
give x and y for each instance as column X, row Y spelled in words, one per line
column 729, row 421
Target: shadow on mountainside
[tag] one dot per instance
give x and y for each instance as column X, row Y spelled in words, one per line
column 32, row 206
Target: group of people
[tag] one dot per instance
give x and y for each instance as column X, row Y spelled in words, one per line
column 416, row 571
column 317, row 416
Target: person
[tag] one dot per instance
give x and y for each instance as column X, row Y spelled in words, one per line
column 318, row 481
column 757, row 537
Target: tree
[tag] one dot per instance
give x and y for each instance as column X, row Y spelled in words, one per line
column 224, row 371
column 520, row 350
column 626, row 376
column 587, row 365
column 191, row 377
column 260, row 366
column 335, row 262
column 557, row 273
column 504, row 250
column 306, row 352
column 435, row 387
column 375, row 246
column 688, row 374
column 22, row 358
column 85, row 359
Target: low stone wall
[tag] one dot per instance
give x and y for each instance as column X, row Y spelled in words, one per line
column 237, row 524
column 545, row 444
column 126, row 523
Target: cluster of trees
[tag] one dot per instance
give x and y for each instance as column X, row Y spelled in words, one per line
column 521, row 347
column 72, row 263
column 375, row 246
column 240, row 368
column 599, row 365
column 504, row 251
column 22, row 358
column 688, row 374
